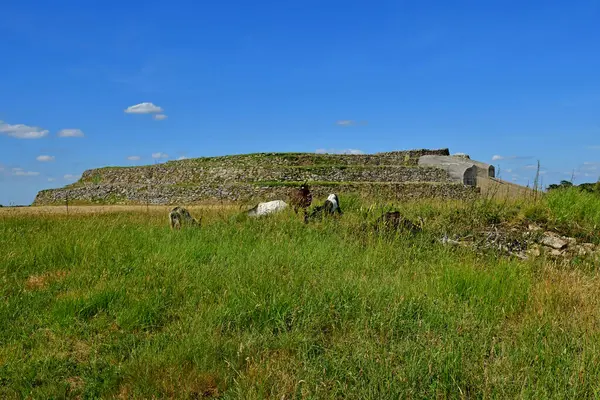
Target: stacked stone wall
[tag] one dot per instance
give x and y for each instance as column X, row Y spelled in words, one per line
column 171, row 194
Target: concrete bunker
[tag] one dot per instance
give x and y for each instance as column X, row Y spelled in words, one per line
column 484, row 170
column 459, row 168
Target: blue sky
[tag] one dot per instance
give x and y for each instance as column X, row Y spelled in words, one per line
column 508, row 82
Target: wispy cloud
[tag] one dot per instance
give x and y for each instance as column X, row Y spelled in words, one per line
column 594, row 147
column 51, row 179
column 344, row 151
column 22, row 172
column 530, row 166
column 160, row 117
column 133, row 158
column 71, row 133
column 143, row 108
column 350, row 122
column 159, row 155
column 45, row 158
column 182, row 158
column 498, row 157
column 21, row 131
column 71, row 177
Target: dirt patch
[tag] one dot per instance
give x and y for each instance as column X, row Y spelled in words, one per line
column 81, row 351
column 76, row 383
column 40, row 282
column 124, row 392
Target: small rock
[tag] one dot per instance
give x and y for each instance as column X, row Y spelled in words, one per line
column 522, row 255
column 448, row 241
column 534, row 252
column 582, row 251
column 553, row 241
column 556, row 253
column 534, row 228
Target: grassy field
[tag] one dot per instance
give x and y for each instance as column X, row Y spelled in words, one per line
column 115, row 305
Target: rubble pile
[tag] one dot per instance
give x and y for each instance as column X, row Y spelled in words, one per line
column 526, row 244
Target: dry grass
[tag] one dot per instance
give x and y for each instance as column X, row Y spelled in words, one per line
column 40, row 282
column 61, row 210
column 570, row 297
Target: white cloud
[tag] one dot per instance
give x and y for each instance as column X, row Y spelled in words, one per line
column 160, row 117
column 509, row 170
column 594, row 147
column 531, row 166
column 182, row 158
column 497, row 157
column 71, row 133
column 590, row 166
column 22, row 172
column 159, row 155
column 21, row 131
column 26, row 173
column 45, row 158
column 143, row 108
column 133, row 158
column 344, row 151
column 353, row 151
column 71, row 177
column 50, row 179
column 350, row 122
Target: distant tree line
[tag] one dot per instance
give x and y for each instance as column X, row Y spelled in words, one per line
column 584, row 187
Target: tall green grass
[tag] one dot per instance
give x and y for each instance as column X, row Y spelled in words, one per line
column 573, row 206
column 117, row 305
